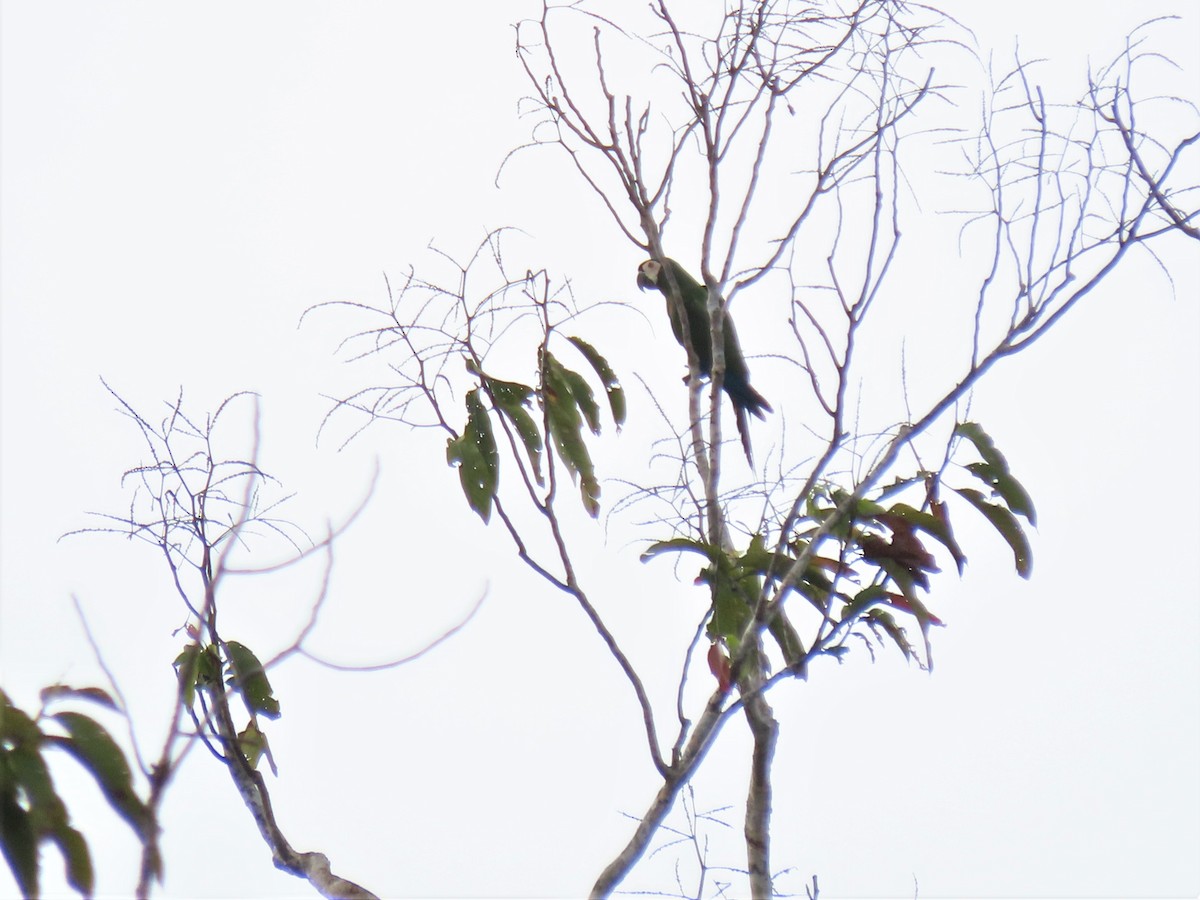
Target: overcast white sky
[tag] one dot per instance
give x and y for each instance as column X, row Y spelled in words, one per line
column 180, row 183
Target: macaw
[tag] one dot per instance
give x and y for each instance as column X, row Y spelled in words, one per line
column 652, row 274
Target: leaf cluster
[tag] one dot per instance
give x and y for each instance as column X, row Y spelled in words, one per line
column 566, row 402
column 869, row 562
column 204, row 670
column 32, row 812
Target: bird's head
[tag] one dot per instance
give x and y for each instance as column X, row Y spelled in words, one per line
column 648, row 274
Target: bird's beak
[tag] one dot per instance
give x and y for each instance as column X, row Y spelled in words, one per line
column 643, row 282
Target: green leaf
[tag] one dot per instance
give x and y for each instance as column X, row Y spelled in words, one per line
column 16, row 727
column 1010, row 490
column 187, row 667
column 760, row 560
column 250, row 679
column 1008, row 526
column 787, row 638
column 974, row 433
column 253, row 743
column 97, row 752
column 92, row 694
column 882, row 619
column 994, row 471
column 196, row 666
column 678, row 544
column 566, row 427
column 26, row 768
column 477, row 457
column 531, row 437
column 733, row 597
column 736, row 583
column 584, row 398
column 18, row 840
column 25, row 775
column 814, row 585
column 507, row 394
column 863, row 600
column 76, row 856
column 927, row 522
column 612, row 387
column 511, row 399
column 863, row 508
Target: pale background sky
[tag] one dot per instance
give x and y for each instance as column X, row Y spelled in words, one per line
column 178, row 186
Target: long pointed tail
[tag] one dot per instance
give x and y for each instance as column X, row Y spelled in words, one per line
column 745, row 397
column 739, row 413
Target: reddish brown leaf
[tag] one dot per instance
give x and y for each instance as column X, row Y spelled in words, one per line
column 833, row 565
column 718, row 664
column 900, row 602
column 905, row 547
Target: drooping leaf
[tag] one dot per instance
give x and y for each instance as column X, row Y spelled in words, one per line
column 16, row 727
column 824, row 503
column 584, row 399
column 735, row 584
column 512, row 400
column 677, row 544
column 904, row 577
column 903, row 557
column 1008, row 526
column 862, row 508
column 863, row 600
column 91, row 694
column 974, row 433
column 250, row 679
column 612, row 387
column 718, row 664
column 29, row 775
column 93, row 747
column 762, row 561
column 906, row 546
column 566, row 427
column 253, row 743
column 25, row 776
column 733, row 602
column 18, row 838
column 941, row 513
column 814, row 585
column 1010, row 490
column 731, row 607
column 531, row 437
column 912, row 606
column 477, row 457
column 197, row 667
column 995, row 473
column 881, row 619
column 786, row 636
column 187, row 664
column 76, row 857
column 937, row 527
column 507, row 394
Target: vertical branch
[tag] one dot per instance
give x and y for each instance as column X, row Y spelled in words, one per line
column 764, row 729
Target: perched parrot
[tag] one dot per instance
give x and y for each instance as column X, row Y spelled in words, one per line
column 745, row 399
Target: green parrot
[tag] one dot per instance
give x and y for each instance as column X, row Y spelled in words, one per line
column 745, row 399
